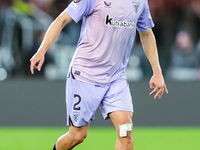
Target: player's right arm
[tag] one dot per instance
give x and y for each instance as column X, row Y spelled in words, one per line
column 53, row 31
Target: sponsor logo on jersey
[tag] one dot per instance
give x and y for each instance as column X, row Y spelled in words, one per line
column 109, row 21
column 73, row 5
column 136, row 6
column 107, row 4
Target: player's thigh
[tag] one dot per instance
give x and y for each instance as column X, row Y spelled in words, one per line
column 117, row 98
column 121, row 118
column 82, row 101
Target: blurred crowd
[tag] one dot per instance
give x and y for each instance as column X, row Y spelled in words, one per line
column 23, row 24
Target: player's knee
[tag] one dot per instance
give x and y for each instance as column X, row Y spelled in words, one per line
column 125, row 130
column 129, row 137
column 127, row 140
column 69, row 140
column 80, row 137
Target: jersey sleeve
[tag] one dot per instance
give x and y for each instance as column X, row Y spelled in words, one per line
column 145, row 21
column 77, row 9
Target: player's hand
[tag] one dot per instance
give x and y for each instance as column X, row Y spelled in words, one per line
column 36, row 62
column 157, row 83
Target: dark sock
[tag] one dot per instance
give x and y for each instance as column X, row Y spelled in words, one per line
column 54, row 148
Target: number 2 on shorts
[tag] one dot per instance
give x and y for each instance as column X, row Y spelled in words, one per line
column 79, row 100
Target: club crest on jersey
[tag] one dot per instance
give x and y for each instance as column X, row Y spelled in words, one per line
column 107, row 4
column 76, row 115
column 136, row 6
column 109, row 21
column 76, row 1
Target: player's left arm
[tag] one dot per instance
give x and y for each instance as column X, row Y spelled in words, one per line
column 157, row 82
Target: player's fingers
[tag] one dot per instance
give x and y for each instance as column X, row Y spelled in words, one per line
column 156, row 96
column 154, row 91
column 166, row 90
column 33, row 66
column 32, row 69
column 40, row 65
column 159, row 93
column 151, row 85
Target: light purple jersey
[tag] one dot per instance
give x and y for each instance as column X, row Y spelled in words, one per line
column 106, row 38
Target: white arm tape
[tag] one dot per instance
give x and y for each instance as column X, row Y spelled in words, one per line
column 124, row 128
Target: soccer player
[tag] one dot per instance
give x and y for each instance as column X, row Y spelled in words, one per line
column 97, row 72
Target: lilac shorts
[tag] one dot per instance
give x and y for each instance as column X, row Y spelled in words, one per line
column 83, row 99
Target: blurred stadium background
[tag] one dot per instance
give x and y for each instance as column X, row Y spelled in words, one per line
column 32, row 107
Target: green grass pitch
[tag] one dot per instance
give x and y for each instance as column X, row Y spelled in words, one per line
column 101, row 138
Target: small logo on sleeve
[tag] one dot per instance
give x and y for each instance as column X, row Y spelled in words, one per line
column 73, row 5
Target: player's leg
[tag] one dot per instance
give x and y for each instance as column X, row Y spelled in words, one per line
column 73, row 137
column 82, row 101
column 122, row 121
column 117, row 105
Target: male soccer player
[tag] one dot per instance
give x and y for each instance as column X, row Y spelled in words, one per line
column 97, row 72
